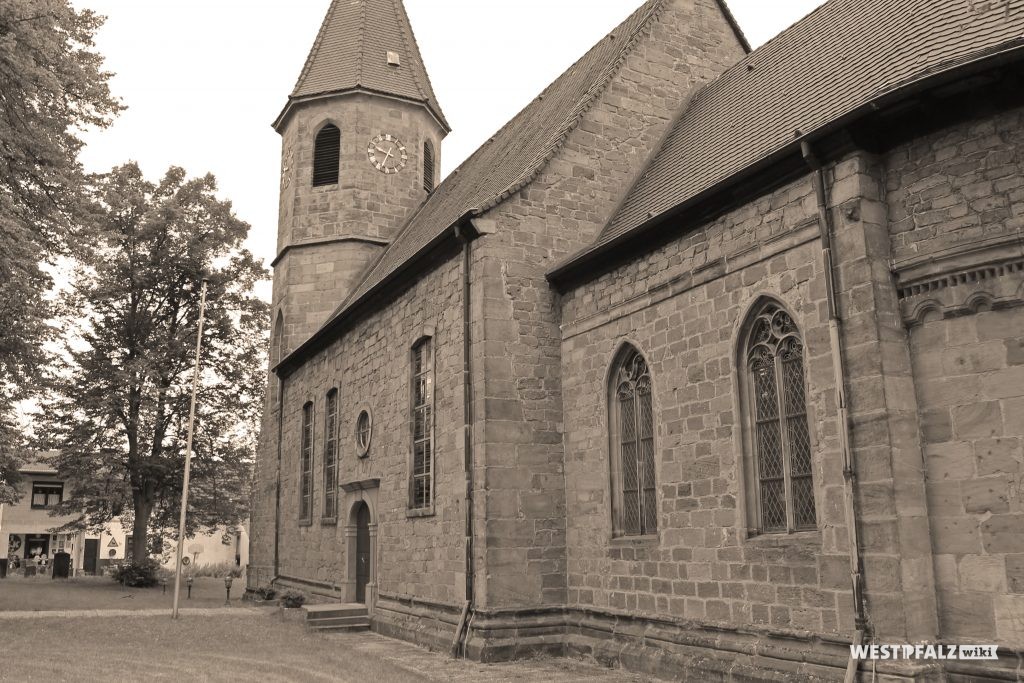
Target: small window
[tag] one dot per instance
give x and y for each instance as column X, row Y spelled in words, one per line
column 326, row 156
column 428, row 166
column 47, row 495
column 634, row 494
column 306, row 464
column 779, row 446
column 364, row 432
column 331, row 456
column 421, row 484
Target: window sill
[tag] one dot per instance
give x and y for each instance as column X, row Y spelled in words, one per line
column 305, row 522
column 329, row 521
column 630, row 541
column 421, row 512
column 784, row 540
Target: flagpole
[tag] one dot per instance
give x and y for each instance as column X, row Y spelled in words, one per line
column 188, row 453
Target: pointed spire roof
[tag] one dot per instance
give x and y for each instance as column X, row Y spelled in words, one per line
column 356, row 49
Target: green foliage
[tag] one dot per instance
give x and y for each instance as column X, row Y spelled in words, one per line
column 120, row 413
column 265, row 593
column 217, row 570
column 292, row 599
column 51, row 84
column 140, row 574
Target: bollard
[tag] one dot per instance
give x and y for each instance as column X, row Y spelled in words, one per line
column 188, row 582
column 227, row 587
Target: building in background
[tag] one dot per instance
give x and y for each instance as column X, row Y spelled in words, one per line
column 27, row 533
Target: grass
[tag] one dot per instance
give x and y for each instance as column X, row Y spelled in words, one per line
column 39, row 594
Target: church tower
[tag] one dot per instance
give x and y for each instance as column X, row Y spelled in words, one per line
column 361, row 141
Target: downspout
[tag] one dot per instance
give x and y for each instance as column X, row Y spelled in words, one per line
column 277, row 495
column 842, row 408
column 462, row 631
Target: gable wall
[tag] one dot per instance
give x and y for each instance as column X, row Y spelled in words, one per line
column 520, row 423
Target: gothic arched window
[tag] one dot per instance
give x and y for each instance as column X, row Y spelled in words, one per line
column 326, row 155
column 421, row 475
column 428, row 166
column 631, row 419
column 331, row 455
column 306, row 465
column 781, row 498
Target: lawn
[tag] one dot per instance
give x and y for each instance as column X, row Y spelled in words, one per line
column 253, row 645
column 88, row 593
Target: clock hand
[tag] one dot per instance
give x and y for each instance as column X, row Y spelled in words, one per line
column 387, row 156
column 382, row 151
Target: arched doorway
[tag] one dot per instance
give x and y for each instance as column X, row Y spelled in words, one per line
column 361, row 512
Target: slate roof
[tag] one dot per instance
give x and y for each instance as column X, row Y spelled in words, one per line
column 516, row 153
column 835, row 60
column 350, row 52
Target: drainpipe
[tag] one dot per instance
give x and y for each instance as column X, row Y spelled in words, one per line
column 461, row 631
column 842, row 407
column 277, row 494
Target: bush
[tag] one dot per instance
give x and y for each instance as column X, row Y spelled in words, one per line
column 265, row 593
column 293, row 599
column 140, row 574
column 218, row 570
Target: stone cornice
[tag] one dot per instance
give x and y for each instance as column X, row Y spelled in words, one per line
column 329, row 240
column 982, row 276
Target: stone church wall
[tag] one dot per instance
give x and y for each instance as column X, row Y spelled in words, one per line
column 956, row 203
column 370, row 366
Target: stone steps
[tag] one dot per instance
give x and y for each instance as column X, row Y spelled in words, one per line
column 337, row 617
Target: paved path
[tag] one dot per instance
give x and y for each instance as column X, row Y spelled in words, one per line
column 89, row 613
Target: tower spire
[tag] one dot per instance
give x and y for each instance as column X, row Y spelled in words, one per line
column 366, row 45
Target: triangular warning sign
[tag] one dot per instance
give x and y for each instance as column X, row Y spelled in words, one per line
column 113, row 543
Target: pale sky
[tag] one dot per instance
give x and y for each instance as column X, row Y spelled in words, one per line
column 204, row 79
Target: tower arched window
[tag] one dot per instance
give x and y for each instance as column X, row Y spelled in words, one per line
column 326, row 155
column 778, row 458
column 631, row 421
column 428, row 166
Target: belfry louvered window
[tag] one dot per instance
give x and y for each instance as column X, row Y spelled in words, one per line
column 634, row 495
column 777, row 422
column 326, row 156
column 331, row 455
column 306, row 465
column 421, row 480
column 428, row 166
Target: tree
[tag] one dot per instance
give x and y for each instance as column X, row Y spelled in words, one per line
column 51, row 84
column 120, row 413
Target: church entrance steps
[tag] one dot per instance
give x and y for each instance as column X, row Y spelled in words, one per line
column 337, row 617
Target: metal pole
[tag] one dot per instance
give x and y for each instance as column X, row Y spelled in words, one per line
column 188, row 454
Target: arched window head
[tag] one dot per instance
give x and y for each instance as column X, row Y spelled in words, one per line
column 326, row 156
column 428, row 166
column 631, row 418
column 277, row 340
column 781, row 498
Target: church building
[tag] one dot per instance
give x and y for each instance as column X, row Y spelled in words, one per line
column 708, row 364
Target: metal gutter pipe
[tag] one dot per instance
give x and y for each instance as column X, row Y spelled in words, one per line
column 842, row 407
column 277, row 494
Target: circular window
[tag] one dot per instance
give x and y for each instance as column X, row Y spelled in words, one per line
column 364, row 431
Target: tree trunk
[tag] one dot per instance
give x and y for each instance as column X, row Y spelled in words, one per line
column 140, row 528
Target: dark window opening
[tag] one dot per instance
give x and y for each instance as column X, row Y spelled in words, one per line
column 47, row 495
column 326, row 156
column 428, row 166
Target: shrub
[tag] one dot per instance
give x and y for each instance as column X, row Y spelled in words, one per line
column 265, row 593
column 137, row 574
column 217, row 570
column 293, row 599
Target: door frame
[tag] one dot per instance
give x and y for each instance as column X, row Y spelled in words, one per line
column 368, row 495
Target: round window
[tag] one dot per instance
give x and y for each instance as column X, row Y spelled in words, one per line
column 364, row 430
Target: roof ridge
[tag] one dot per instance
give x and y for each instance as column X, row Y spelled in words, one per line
column 361, row 52
column 599, row 86
column 317, row 42
column 406, row 27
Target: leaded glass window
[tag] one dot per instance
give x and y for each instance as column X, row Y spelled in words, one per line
column 331, row 455
column 421, row 484
column 779, row 436
column 306, row 465
column 634, row 497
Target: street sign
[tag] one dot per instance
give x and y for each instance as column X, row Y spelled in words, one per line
column 186, row 561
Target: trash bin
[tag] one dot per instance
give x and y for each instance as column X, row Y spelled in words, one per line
column 61, row 565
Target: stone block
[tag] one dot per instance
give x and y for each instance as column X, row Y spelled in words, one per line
column 980, row 420
column 967, row 615
column 956, row 535
column 1009, row 618
column 998, row 456
column 983, row 573
column 991, row 495
column 1015, row 573
column 1003, row 534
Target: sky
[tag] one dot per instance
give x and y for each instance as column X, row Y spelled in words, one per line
column 203, row 79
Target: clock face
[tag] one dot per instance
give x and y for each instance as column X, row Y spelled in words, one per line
column 387, row 154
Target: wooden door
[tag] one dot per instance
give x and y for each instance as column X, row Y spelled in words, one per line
column 362, row 551
column 92, row 553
